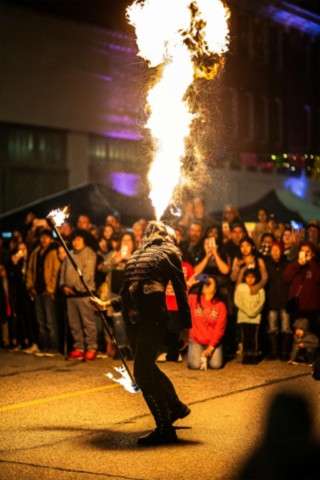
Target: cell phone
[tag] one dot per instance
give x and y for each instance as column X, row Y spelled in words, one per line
column 202, row 277
column 212, row 243
column 302, row 256
column 124, row 251
column 6, row 235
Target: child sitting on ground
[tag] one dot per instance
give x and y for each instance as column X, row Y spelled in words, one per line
column 305, row 343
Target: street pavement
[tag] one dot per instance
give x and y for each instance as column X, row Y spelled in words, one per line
column 64, row 420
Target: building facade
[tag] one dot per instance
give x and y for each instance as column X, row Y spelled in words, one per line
column 72, row 106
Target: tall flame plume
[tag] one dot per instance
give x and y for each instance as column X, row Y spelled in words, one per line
column 186, row 40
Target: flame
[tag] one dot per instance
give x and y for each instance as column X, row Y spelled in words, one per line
column 123, row 380
column 186, row 38
column 59, row 216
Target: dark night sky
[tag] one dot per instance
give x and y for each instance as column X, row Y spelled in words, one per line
column 106, row 13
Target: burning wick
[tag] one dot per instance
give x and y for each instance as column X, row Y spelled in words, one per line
column 59, row 216
column 123, row 380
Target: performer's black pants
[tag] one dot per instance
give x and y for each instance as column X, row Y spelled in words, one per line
column 157, row 389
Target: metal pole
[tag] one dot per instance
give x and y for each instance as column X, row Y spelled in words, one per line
column 91, row 293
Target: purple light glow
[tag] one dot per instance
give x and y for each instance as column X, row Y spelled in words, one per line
column 123, row 135
column 119, row 48
column 122, row 119
column 297, row 186
column 295, row 17
column 125, row 183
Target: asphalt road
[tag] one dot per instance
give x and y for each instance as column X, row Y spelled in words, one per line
column 64, row 420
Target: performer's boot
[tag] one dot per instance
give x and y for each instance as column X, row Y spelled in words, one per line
column 164, row 433
column 180, row 411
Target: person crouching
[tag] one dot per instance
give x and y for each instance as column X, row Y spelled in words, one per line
column 209, row 319
column 305, row 343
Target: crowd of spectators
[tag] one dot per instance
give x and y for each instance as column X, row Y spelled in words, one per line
column 253, row 293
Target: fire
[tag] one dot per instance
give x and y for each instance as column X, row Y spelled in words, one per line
column 186, row 39
column 59, row 216
column 124, row 380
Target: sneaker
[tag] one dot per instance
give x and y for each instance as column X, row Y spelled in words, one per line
column 159, row 437
column 76, row 354
column 180, row 359
column 15, row 349
column 181, row 411
column 102, row 355
column 31, row 350
column 91, row 355
column 51, row 354
column 162, row 358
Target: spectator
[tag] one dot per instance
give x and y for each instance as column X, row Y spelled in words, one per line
column 261, row 226
column 303, row 277
column 290, row 247
column 172, row 348
column 41, row 281
column 305, row 343
column 5, row 308
column 199, row 213
column 138, row 230
column 113, row 267
column 187, row 214
column 192, row 247
column 277, row 298
column 33, row 233
column 23, row 330
column 231, row 215
column 66, row 232
column 214, row 262
column 209, row 318
column 81, row 313
column 232, row 246
column 313, row 236
column 107, row 232
column 250, row 306
column 249, row 260
column 266, row 242
column 84, row 222
column 114, row 220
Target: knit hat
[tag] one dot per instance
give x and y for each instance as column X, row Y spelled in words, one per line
column 302, row 323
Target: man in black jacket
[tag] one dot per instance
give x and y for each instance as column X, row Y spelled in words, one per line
column 147, row 274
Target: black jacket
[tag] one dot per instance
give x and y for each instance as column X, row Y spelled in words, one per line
column 154, row 265
column 277, row 289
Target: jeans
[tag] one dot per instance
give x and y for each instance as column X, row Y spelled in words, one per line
column 194, row 354
column 47, row 323
column 273, row 323
column 82, row 323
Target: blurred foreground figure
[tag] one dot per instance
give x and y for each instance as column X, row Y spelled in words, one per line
column 288, row 449
column 147, row 274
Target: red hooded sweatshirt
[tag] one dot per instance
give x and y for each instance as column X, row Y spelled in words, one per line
column 209, row 321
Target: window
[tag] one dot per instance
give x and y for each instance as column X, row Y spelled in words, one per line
column 32, row 145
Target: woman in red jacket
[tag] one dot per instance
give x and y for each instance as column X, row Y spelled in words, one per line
column 209, row 318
